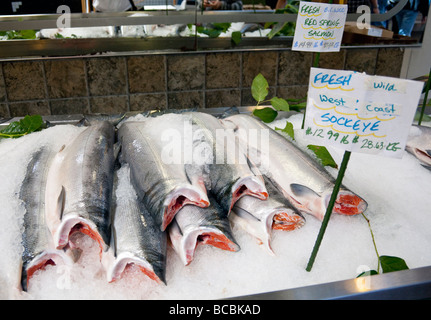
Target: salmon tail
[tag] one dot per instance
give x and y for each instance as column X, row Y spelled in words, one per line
column 287, row 220
column 349, row 204
column 126, row 260
column 178, row 199
column 219, row 240
column 40, row 262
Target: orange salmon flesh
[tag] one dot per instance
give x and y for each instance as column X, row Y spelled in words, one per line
column 217, row 240
column 349, row 204
column 284, row 221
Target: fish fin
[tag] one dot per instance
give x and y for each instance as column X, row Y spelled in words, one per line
column 302, row 191
column 229, row 112
column 117, row 149
column 259, row 229
column 253, row 167
column 117, row 155
column 84, row 122
column 60, row 202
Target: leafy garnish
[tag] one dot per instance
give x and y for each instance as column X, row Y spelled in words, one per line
column 390, row 264
column 288, row 129
column 259, row 88
column 214, row 30
column 323, row 155
column 20, row 34
column 236, row 37
column 22, row 127
column 280, row 104
column 267, row 114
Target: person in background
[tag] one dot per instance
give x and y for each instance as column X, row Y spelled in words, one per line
column 383, row 8
column 223, row 4
column 354, row 4
column 406, row 18
column 115, row 5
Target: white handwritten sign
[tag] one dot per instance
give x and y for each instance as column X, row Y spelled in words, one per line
column 360, row 113
column 319, row 27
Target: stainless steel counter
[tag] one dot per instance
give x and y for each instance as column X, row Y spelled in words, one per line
column 414, row 284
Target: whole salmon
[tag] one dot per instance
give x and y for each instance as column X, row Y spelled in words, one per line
column 260, row 217
column 164, row 188
column 136, row 238
column 194, row 225
column 230, row 174
column 39, row 249
column 302, row 179
column 79, row 186
column 419, row 144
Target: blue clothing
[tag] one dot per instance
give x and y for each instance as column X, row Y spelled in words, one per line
column 406, row 18
column 383, row 5
column 406, row 21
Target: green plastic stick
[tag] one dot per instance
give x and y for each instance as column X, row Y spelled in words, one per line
column 328, row 213
column 427, row 88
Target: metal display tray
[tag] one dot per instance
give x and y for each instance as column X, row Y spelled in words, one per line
column 413, row 284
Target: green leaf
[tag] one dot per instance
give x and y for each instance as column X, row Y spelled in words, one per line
column 298, row 106
column 426, row 118
column 266, row 114
column 236, row 37
column 276, row 29
column 323, row 155
column 367, row 273
column 280, row 104
column 22, row 127
column 288, row 129
column 212, row 33
column 390, row 264
column 259, row 88
column 222, row 26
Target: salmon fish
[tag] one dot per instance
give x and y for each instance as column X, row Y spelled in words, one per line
column 302, row 179
column 230, row 178
column 260, row 217
column 79, row 187
column 164, row 188
column 39, row 250
column 419, row 144
column 194, row 225
column 136, row 238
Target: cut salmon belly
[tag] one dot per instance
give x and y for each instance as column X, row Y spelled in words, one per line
column 194, row 225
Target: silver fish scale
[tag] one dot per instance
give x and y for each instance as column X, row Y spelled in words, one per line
column 36, row 236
